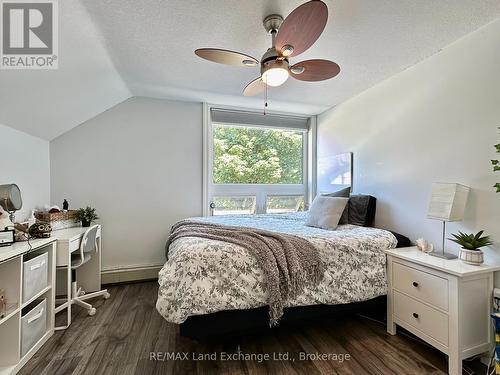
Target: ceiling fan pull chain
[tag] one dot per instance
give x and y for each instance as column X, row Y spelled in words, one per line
column 265, row 104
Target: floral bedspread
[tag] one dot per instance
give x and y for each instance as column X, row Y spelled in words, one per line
column 204, row 276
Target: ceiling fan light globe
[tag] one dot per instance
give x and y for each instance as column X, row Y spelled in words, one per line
column 297, row 69
column 275, row 76
column 286, row 50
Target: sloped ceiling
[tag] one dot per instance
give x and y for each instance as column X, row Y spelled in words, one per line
column 114, row 49
column 47, row 103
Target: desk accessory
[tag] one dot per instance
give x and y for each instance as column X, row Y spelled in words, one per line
column 58, row 220
column 32, row 219
column 5, row 222
column 6, row 237
column 10, row 199
column 21, row 232
column 40, row 230
column 447, row 204
column 86, row 215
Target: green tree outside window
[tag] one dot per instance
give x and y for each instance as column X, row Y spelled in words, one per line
column 257, row 156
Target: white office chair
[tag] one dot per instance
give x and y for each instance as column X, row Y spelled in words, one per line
column 88, row 248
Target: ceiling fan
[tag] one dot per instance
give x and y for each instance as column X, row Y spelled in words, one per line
column 290, row 37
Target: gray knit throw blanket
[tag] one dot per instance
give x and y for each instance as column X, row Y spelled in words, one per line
column 289, row 262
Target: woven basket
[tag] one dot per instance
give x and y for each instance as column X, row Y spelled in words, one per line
column 58, row 220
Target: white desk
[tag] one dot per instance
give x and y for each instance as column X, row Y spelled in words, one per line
column 89, row 275
column 21, row 248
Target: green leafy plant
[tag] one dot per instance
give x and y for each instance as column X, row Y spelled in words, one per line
column 471, row 241
column 496, row 166
column 87, row 214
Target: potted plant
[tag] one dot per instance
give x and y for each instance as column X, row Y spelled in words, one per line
column 470, row 253
column 86, row 215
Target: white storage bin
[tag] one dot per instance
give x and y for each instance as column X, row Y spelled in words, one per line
column 35, row 276
column 33, row 326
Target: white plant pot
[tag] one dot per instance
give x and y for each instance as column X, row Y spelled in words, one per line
column 474, row 257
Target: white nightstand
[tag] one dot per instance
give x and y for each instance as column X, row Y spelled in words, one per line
column 447, row 303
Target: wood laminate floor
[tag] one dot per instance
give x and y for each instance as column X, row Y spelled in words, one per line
column 126, row 330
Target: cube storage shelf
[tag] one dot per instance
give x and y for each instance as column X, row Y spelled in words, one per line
column 28, row 277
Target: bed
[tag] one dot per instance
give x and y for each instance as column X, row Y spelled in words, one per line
column 210, row 278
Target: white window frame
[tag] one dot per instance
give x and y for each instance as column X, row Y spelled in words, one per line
column 260, row 191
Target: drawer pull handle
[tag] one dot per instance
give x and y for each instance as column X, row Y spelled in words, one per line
column 415, row 284
column 35, row 317
column 415, row 315
column 36, row 266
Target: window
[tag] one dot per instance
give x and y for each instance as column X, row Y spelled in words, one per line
column 233, row 205
column 279, row 204
column 255, row 163
column 245, row 155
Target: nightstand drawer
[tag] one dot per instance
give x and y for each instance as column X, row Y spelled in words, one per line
column 424, row 318
column 422, row 285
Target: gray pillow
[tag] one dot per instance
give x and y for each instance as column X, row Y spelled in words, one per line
column 345, row 193
column 325, row 212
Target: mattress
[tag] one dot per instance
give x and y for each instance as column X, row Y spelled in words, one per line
column 203, row 276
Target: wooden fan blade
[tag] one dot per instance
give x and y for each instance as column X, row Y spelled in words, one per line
column 255, row 87
column 303, row 27
column 315, row 70
column 223, row 56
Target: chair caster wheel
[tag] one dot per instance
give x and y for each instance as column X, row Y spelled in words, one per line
column 106, row 295
column 92, row 311
column 82, row 292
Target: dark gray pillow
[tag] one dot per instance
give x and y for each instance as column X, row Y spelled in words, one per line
column 362, row 210
column 344, row 193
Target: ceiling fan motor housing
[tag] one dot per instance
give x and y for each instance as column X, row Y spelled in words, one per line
column 275, row 64
column 270, row 55
column 271, row 59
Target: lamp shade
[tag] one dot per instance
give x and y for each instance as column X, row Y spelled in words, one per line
column 10, row 197
column 448, row 201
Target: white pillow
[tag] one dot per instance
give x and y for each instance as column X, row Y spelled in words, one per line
column 325, row 212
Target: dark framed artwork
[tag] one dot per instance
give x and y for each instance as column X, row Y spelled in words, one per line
column 335, row 172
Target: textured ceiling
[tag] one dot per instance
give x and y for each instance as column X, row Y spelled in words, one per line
column 152, row 43
column 113, row 49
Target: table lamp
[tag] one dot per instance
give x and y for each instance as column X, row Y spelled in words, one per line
column 447, row 204
column 10, row 199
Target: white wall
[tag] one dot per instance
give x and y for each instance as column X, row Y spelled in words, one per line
column 140, row 165
column 437, row 121
column 25, row 162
